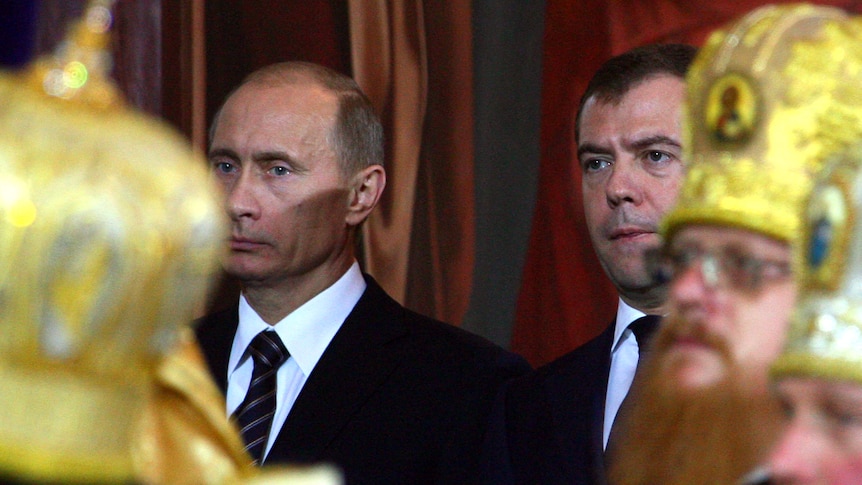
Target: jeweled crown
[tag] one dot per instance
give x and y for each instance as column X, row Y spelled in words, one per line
column 769, row 100
column 825, row 336
column 109, row 236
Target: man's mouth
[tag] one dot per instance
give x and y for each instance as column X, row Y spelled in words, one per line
column 244, row 244
column 697, row 340
column 690, row 342
column 629, row 233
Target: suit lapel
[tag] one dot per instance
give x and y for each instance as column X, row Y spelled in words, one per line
column 576, row 399
column 356, row 362
column 598, row 428
column 215, row 335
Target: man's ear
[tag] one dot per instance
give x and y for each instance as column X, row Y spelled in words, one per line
column 366, row 187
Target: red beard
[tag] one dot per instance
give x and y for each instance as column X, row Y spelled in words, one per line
column 712, row 435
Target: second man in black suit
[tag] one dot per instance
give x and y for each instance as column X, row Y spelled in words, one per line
column 386, row 394
column 553, row 425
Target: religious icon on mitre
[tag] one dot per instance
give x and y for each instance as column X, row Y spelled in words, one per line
column 731, row 109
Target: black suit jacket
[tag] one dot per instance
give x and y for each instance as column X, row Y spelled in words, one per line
column 396, row 397
column 546, row 427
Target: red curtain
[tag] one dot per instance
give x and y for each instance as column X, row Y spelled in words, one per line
column 565, row 297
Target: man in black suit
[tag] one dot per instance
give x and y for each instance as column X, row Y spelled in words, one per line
column 552, row 426
column 386, row 394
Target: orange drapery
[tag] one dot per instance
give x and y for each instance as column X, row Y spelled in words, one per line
column 413, row 59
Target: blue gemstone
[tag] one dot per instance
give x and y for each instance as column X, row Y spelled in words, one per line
column 821, row 239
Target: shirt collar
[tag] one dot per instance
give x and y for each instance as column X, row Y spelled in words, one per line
column 625, row 315
column 307, row 331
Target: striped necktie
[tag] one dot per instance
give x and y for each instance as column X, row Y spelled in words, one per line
column 254, row 415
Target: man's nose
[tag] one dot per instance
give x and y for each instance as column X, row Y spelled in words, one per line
column 793, row 460
column 242, row 198
column 624, row 183
column 693, row 282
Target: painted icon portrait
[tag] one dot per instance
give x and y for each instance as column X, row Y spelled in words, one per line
column 731, row 109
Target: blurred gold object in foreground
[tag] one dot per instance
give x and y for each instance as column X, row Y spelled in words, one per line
column 825, row 336
column 109, row 234
column 770, row 99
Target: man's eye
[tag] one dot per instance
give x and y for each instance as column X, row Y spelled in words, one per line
column 657, row 157
column 279, row 171
column 845, row 419
column 740, row 262
column 844, row 414
column 595, row 164
column 224, row 167
column 682, row 258
column 788, row 409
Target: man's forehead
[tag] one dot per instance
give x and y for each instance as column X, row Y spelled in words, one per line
column 299, row 90
column 651, row 83
column 279, row 104
column 651, row 116
column 718, row 234
column 658, row 91
column 819, row 388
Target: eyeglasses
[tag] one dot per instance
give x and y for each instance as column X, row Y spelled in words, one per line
column 726, row 267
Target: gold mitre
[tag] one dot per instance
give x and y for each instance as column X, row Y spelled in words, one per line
column 825, row 336
column 109, row 233
column 769, row 100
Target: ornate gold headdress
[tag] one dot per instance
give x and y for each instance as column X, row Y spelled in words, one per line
column 769, row 100
column 109, row 234
column 825, row 336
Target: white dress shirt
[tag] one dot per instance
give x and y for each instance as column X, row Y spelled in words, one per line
column 624, row 363
column 306, row 333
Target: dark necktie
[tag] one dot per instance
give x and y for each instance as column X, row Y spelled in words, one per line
column 643, row 328
column 255, row 413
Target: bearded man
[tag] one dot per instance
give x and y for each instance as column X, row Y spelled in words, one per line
column 702, row 410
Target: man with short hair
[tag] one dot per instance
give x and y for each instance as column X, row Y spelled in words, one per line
column 551, row 426
column 318, row 363
column 702, row 411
